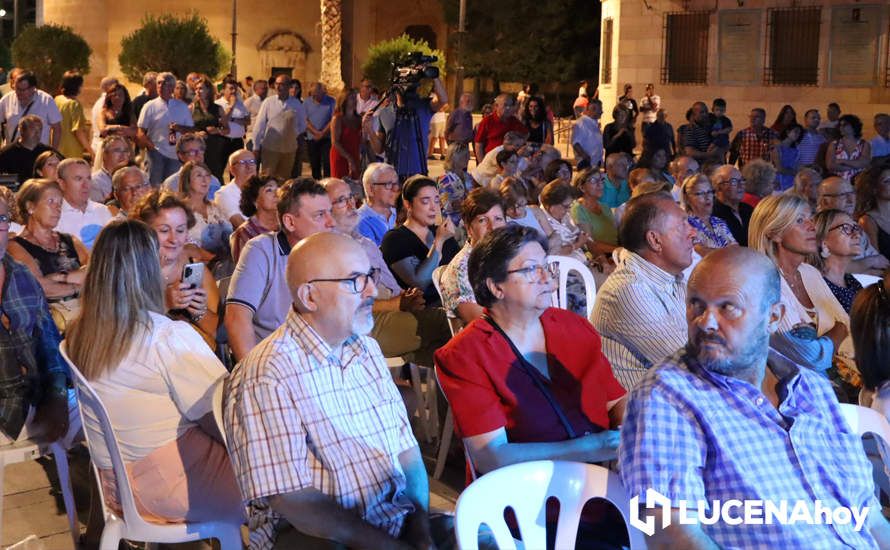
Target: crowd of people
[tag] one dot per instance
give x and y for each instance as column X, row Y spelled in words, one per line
column 727, row 325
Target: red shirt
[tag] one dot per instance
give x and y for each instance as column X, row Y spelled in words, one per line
column 751, row 199
column 491, row 130
column 487, row 391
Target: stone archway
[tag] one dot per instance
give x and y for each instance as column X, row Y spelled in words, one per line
column 283, row 48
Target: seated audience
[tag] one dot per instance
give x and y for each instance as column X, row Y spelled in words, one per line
column 838, row 193
column 242, row 166
column 259, row 202
column 590, row 215
column 712, row 423
column 514, row 193
column 338, row 460
column 81, row 216
column 636, row 178
column 47, row 165
column 814, row 324
column 640, row 309
column 378, row 215
column 507, row 164
column 128, row 184
column 170, row 218
column 56, row 259
column 413, row 250
column 728, row 206
column 114, row 153
column 760, row 181
column 527, row 381
column 870, row 327
column 839, row 241
column 558, row 169
column 258, row 298
column 190, row 147
column 711, row 232
column 18, row 157
column 806, row 186
column 488, row 167
column 850, row 154
column 616, row 189
column 210, row 233
column 483, row 211
column 873, row 206
column 156, row 378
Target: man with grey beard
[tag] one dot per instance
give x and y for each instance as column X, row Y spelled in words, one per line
column 728, row 419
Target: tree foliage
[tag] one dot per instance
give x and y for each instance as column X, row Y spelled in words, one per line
column 529, row 40
column 177, row 44
column 381, row 56
column 50, row 50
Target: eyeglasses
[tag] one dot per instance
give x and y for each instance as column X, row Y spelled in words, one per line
column 535, row 273
column 735, row 182
column 848, row 229
column 359, row 282
column 118, row 151
column 342, row 201
column 193, row 152
column 390, row 185
column 246, row 162
column 703, row 194
column 844, row 194
column 132, row 188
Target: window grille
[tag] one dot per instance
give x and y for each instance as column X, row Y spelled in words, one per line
column 792, row 54
column 685, row 57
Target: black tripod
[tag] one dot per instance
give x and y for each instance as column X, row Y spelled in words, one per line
column 397, row 150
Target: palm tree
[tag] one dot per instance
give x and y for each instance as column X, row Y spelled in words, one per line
column 331, row 38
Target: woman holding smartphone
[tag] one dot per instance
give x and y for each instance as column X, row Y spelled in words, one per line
column 185, row 299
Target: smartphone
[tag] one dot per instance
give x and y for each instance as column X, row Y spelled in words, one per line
column 193, row 274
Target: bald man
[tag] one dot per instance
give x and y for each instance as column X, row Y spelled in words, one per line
column 727, row 418
column 838, row 193
column 315, row 425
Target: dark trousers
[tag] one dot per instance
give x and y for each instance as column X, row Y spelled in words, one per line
column 320, row 157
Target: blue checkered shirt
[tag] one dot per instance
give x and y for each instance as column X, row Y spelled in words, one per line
column 692, row 435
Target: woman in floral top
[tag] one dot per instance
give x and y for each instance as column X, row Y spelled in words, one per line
column 711, row 232
column 211, row 231
column 456, row 182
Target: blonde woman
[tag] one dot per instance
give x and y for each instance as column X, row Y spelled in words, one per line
column 155, row 377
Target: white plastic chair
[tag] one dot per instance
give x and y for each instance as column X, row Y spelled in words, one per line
column 865, row 279
column 96, row 427
column 454, row 324
column 427, row 413
column 525, row 488
column 863, row 420
column 447, row 434
column 567, row 264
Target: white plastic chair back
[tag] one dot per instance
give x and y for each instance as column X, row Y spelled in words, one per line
column 445, row 441
column 454, row 324
column 525, row 488
column 100, row 433
column 865, row 279
column 863, row 420
column 567, row 265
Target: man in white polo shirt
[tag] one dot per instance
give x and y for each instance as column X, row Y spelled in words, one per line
column 161, row 122
column 81, row 217
column 26, row 99
column 239, row 117
column 242, row 167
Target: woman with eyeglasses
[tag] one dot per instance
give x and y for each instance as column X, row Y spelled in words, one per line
column 527, row 381
column 873, row 206
column 114, row 152
column 592, row 216
column 259, row 203
column 711, row 232
column 839, row 243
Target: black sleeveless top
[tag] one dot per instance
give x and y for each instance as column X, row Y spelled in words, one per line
column 63, row 260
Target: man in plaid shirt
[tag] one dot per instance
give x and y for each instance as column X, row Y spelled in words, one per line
column 726, row 418
column 753, row 142
column 317, row 431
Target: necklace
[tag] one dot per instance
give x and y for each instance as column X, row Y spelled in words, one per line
column 791, row 280
column 51, row 246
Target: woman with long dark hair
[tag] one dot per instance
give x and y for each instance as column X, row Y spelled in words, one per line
column 346, row 137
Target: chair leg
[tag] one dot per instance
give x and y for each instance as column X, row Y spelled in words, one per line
column 230, row 538
column 421, row 402
column 111, row 535
column 61, row 458
column 444, row 444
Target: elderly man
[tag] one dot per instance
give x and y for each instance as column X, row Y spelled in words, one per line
column 149, row 92
column 490, row 132
column 726, row 419
column 806, row 186
column 160, row 122
column 319, row 113
column 28, row 100
column 587, row 138
column 18, row 157
column 837, row 193
column 317, row 430
column 257, row 301
column 730, row 188
column 753, row 142
column 129, row 184
column 190, row 147
column 616, row 190
column 81, row 217
column 378, row 214
column 242, row 167
column 280, row 120
column 681, row 168
column 459, row 125
column 639, row 309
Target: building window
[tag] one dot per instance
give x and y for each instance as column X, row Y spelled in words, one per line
column 685, row 59
column 606, row 77
column 792, row 55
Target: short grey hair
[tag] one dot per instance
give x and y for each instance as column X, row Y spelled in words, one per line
column 167, row 78
column 149, row 77
column 63, row 166
column 118, row 178
column 371, row 173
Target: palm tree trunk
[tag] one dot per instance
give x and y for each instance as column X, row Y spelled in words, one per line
column 331, row 39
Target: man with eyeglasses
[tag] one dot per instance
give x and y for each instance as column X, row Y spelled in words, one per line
column 28, row 100
column 258, row 297
column 161, row 122
column 491, row 131
column 318, row 431
column 382, row 189
column 190, row 147
column 838, row 193
column 730, row 188
column 242, row 167
column 129, row 184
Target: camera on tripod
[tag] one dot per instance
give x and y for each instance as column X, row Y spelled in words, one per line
column 411, row 69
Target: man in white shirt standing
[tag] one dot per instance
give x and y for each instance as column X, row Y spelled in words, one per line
column 253, row 103
column 81, row 217
column 280, row 120
column 239, row 117
column 105, row 85
column 26, row 99
column 640, row 310
column 587, row 138
column 242, row 167
column 161, row 122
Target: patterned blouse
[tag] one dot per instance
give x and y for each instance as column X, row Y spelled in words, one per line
column 717, row 235
column 841, row 154
column 455, row 283
column 845, row 295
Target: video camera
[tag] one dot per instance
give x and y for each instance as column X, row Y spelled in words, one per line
column 411, row 69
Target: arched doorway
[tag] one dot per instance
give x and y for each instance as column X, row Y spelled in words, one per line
column 283, row 52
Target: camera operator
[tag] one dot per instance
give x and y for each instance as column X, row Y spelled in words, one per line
column 379, row 126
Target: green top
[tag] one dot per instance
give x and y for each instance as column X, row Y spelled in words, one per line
column 601, row 227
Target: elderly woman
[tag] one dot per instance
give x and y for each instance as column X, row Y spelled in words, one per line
column 170, row 218
column 870, row 327
column 155, row 377
column 851, row 154
column 760, row 181
column 413, row 250
column 839, row 238
column 527, row 381
column 514, row 193
column 565, row 238
column 57, row 260
column 114, row 152
column 592, row 216
column 129, row 185
column 873, row 206
column 559, row 169
column 211, row 230
column 117, row 116
column 815, row 326
column 483, row 211
column 46, row 166
column 711, row 232
column 259, row 203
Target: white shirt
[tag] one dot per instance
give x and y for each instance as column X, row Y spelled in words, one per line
column 84, row 225
column 587, row 135
column 155, row 119
column 252, row 104
column 161, row 388
column 228, row 200
column 488, row 168
column 239, row 111
column 275, row 124
column 100, row 188
column 43, row 105
column 362, row 105
column 96, row 113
